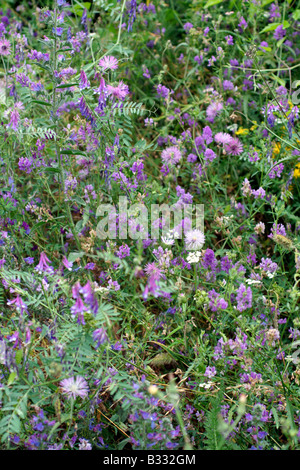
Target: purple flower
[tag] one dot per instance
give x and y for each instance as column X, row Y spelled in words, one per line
column 99, row 336
column 78, row 310
column 120, row 91
column 151, row 288
column 274, row 11
column 108, row 62
column 84, row 109
column 14, row 120
column 259, row 193
column 263, row 45
column 117, row 347
column 171, row 155
column 228, row 85
column 216, row 301
column 75, row 387
column 210, row 372
column 211, row 61
column 207, row 135
column 198, row 59
column 37, row 55
column 20, row 306
column 114, row 285
column 247, row 84
column 276, row 171
column 243, row 298
column 103, row 94
column 83, row 82
column 222, row 138
column 192, row 158
column 25, row 164
column 243, row 24
column 90, row 266
column 89, row 298
column 187, row 27
column 229, row 40
column 123, row 251
column 131, row 14
column 23, row 80
column 213, row 110
column 277, row 229
column 281, row 91
column 163, row 91
column 209, row 155
column 146, row 72
column 234, row 146
column 279, row 32
column 15, row 337
column 5, row 47
column 84, row 444
column 67, row 263
column 58, row 31
column 43, row 266
column 268, row 265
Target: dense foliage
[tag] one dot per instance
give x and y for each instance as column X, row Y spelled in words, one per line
column 139, row 342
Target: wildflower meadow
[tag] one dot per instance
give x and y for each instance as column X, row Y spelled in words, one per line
column 150, row 225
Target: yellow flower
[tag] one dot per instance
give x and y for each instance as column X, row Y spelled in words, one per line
column 297, row 171
column 242, row 131
column 276, row 149
column 254, row 126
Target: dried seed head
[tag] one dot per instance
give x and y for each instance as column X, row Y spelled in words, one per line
column 283, row 241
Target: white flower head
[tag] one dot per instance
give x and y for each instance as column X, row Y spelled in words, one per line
column 253, row 281
column 270, row 275
column 193, row 257
column 170, row 237
column 194, row 240
column 206, row 385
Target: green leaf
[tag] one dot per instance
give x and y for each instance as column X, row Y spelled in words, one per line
column 276, row 419
column 280, row 42
column 51, row 170
column 11, row 378
column 67, row 85
column 43, row 103
column 296, row 15
column 19, row 356
column 72, row 152
column 273, row 26
column 210, row 3
column 267, row 49
column 79, row 8
column 79, row 200
column 73, row 256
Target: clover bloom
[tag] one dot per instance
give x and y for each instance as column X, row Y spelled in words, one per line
column 194, row 239
column 108, row 62
column 5, row 47
column 74, row 387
